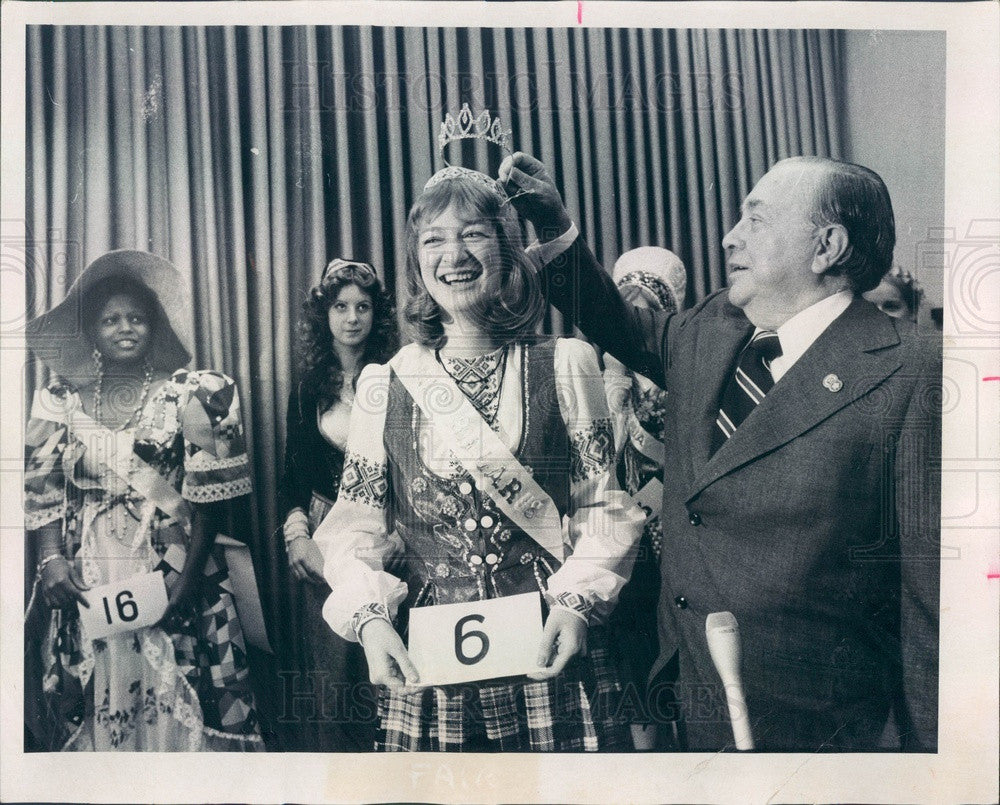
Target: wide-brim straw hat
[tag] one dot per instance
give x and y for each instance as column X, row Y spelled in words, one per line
column 58, row 339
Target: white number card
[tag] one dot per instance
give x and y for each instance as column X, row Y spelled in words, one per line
column 650, row 498
column 452, row 643
column 124, row 605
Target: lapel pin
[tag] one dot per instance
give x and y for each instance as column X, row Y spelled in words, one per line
column 833, row 383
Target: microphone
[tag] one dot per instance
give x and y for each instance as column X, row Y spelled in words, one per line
column 723, row 633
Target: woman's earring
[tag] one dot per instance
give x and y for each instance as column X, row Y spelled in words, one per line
column 98, row 361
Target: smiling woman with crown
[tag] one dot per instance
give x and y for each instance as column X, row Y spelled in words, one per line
column 532, row 510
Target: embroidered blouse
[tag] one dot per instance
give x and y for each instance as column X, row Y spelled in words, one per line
column 190, row 432
column 403, row 491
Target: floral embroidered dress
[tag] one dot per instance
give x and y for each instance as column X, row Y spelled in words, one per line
column 125, row 500
column 403, row 491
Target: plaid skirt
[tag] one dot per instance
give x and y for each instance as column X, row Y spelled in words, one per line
column 574, row 712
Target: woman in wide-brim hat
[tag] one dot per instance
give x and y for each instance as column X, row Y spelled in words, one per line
column 132, row 462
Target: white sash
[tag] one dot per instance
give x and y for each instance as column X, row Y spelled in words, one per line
column 123, row 463
column 479, row 449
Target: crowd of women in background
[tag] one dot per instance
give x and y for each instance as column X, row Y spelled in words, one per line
column 136, row 465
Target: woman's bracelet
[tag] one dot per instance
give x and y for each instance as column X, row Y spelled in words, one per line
column 292, row 534
column 296, row 525
column 574, row 603
column 50, row 558
column 369, row 612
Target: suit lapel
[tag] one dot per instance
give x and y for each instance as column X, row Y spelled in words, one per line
column 719, row 342
column 853, row 349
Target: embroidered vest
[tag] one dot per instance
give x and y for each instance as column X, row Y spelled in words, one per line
column 459, row 546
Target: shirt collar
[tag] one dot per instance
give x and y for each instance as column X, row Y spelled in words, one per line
column 798, row 333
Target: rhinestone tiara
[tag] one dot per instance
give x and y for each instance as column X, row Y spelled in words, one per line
column 467, row 126
column 458, row 172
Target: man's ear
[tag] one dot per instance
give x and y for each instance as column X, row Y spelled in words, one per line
column 832, row 244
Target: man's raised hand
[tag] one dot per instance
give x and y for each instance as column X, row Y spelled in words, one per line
column 534, row 195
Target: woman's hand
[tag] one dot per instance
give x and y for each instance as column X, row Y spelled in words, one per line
column 566, row 635
column 61, row 584
column 181, row 598
column 205, row 525
column 534, row 195
column 388, row 661
column 305, row 560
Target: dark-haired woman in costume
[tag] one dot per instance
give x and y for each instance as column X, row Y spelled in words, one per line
column 650, row 277
column 347, row 322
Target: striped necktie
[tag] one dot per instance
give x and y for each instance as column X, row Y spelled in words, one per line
column 748, row 385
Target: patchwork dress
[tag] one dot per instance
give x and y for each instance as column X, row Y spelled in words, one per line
column 403, row 492
column 124, row 500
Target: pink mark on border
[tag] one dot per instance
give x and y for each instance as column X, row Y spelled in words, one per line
column 993, row 575
column 988, row 379
column 579, row 21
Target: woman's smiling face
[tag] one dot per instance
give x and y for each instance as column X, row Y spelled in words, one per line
column 459, row 258
column 123, row 329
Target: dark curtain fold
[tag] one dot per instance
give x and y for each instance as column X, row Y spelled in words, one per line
column 249, row 156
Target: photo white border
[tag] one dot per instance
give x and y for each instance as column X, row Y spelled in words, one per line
column 964, row 769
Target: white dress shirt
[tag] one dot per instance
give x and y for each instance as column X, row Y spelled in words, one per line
column 798, row 333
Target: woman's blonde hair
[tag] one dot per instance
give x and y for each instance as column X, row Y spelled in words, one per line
column 513, row 310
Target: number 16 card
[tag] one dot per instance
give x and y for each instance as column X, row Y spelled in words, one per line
column 452, row 643
column 124, row 605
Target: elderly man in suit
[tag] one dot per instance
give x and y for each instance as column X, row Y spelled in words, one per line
column 803, row 435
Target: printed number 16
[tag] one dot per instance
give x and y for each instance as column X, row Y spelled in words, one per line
column 460, row 639
column 127, row 609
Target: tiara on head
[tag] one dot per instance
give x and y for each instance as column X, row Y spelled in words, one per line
column 458, row 172
column 654, row 284
column 467, row 126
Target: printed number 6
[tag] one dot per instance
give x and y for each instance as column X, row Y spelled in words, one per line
column 460, row 639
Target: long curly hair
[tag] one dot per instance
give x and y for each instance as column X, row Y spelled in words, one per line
column 320, row 371
column 514, row 310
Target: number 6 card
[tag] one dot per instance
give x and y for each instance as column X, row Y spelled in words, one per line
column 451, row 643
column 123, row 606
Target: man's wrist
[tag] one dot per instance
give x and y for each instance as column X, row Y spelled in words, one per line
column 550, row 230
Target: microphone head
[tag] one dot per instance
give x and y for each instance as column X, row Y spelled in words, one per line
column 723, row 635
column 721, row 620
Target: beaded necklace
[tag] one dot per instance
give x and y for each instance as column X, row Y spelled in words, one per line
column 146, row 382
column 118, row 516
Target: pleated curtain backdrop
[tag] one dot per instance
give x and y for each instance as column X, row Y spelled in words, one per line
column 249, row 156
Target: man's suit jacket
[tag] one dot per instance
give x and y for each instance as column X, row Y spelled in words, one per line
column 817, row 524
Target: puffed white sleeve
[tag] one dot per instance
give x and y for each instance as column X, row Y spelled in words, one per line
column 604, row 524
column 354, row 537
